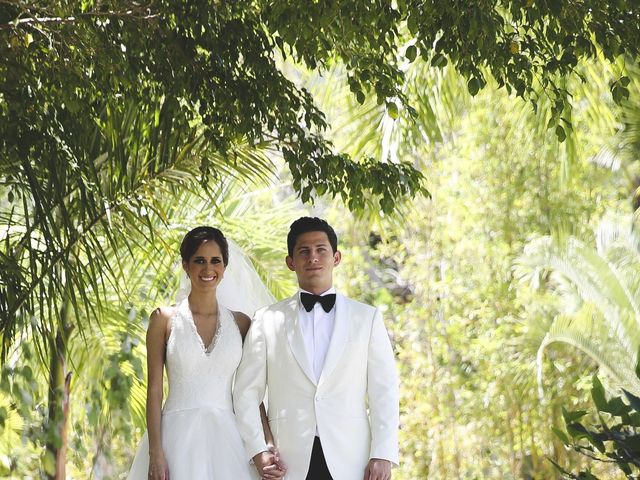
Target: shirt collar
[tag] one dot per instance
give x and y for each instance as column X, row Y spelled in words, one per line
column 331, row 290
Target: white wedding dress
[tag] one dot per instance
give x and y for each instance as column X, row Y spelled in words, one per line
column 200, row 437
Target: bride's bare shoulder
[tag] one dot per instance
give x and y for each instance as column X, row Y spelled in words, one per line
column 162, row 315
column 164, row 312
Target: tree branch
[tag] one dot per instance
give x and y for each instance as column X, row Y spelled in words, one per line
column 32, row 21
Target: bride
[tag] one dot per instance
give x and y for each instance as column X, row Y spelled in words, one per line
column 199, row 342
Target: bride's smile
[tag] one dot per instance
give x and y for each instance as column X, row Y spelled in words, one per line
column 206, row 267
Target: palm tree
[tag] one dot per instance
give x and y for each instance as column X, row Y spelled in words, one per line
column 599, row 286
column 107, row 357
column 600, row 290
column 71, row 222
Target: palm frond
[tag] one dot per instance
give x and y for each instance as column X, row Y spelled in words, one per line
column 600, row 288
column 585, row 332
column 123, row 173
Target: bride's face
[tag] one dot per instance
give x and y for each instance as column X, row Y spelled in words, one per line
column 206, row 267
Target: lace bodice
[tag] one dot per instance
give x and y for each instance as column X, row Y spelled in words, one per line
column 199, row 377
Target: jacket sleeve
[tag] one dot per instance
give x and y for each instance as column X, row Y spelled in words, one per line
column 249, row 389
column 383, row 394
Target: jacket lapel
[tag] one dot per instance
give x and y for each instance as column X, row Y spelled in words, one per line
column 294, row 335
column 338, row 337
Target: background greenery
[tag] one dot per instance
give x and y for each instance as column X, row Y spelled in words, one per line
column 479, row 164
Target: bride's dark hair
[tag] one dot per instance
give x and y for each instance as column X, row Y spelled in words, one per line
column 196, row 237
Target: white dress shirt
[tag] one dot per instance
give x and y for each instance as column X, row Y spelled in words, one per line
column 317, row 328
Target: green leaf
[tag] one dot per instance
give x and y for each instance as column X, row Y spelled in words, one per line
column 438, row 60
column 561, row 435
column 633, row 400
column 615, row 93
column 577, row 430
column 625, row 93
column 413, row 23
column 570, row 417
column 617, row 407
column 360, row 97
column 598, row 395
column 411, row 53
column 473, row 85
column 587, row 476
column 392, row 110
column 619, row 92
column 560, row 133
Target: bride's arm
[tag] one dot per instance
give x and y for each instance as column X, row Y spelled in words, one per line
column 268, row 436
column 280, row 466
column 157, row 334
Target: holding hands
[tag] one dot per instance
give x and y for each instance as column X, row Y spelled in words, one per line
column 269, row 464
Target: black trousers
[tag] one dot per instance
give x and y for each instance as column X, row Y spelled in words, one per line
column 318, row 469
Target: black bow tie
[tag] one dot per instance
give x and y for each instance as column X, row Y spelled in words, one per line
column 309, row 300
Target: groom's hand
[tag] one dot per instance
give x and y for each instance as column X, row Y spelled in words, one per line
column 268, row 465
column 378, row 469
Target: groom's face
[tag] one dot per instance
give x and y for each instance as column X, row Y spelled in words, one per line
column 313, row 261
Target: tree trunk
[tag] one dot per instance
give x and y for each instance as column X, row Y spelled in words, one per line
column 59, row 392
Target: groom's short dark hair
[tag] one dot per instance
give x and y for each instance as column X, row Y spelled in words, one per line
column 310, row 224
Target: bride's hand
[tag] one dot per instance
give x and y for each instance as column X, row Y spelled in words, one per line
column 278, row 469
column 158, row 468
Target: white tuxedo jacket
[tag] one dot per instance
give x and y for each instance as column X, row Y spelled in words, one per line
column 354, row 404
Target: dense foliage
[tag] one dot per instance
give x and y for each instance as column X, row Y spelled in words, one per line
column 615, row 439
column 64, row 63
column 108, row 112
column 124, row 123
column 467, row 326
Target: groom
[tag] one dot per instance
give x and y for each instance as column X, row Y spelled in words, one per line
column 329, row 368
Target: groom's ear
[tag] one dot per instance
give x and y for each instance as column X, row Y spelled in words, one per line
column 337, row 257
column 289, row 262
